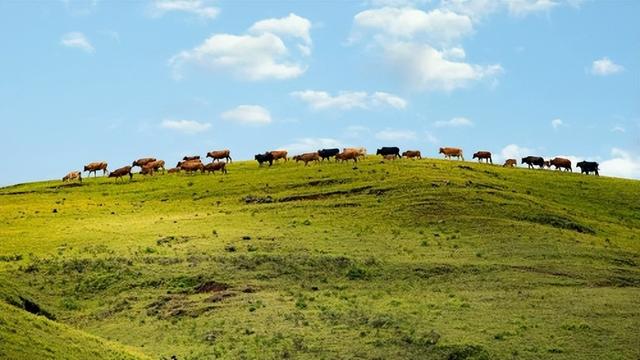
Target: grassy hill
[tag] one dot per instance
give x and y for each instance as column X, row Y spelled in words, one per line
column 421, row 259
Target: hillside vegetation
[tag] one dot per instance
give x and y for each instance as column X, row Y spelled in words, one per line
column 423, row 259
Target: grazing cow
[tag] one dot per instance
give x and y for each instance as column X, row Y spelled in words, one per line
column 118, row 173
column 173, row 170
column 191, row 166
column 190, row 158
column 348, row 155
column 215, row 166
column 561, row 163
column 410, row 154
column 388, row 151
column 279, row 154
column 95, row 166
column 263, row 158
column 328, row 153
column 510, row 163
column 588, row 167
column 362, row 152
column 142, row 162
column 219, row 155
column 74, row 175
column 450, row 152
column 307, row 157
column 486, row 155
column 533, row 160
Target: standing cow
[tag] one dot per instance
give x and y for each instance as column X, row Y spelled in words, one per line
column 450, row 152
column 393, row 150
column 220, row 154
column 142, row 162
column 263, row 158
column 561, row 163
column 328, row 153
column 279, row 154
column 95, row 166
column 215, row 166
column 307, row 157
column 588, row 167
column 74, row 175
column 411, row 154
column 362, row 152
column 119, row 173
column 483, row 155
column 533, row 160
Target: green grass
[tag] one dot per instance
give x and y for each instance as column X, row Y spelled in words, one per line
column 421, row 259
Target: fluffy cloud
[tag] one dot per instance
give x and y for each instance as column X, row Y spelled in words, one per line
column 605, row 66
column 393, row 135
column 437, row 25
column 185, row 126
column 622, row 164
column 257, row 56
column 556, row 123
column 303, row 145
column 292, row 25
column 455, row 122
column 77, row 40
column 513, row 151
column 196, row 7
column 248, row 114
column 347, row 100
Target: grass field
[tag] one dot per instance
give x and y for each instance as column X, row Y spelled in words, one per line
column 424, row 259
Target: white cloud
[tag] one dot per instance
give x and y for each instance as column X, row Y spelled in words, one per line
column 526, row 7
column 556, row 123
column 196, row 7
column 248, row 114
column 260, row 55
column 622, row 164
column 347, row 100
column 303, row 145
column 455, row 53
column 605, row 66
column 292, row 25
column 618, row 128
column 455, row 122
column 436, row 25
column 185, row 126
column 391, row 135
column 513, row 151
column 77, row 40
column 428, row 68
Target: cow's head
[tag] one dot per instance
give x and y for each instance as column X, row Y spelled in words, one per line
column 524, row 160
column 475, row 155
column 441, row 151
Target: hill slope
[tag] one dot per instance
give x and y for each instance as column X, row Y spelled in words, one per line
column 414, row 259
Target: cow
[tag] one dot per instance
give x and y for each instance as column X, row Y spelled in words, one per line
column 486, row 155
column 533, row 160
column 263, row 158
column 307, row 157
column 410, row 154
column 157, row 165
column 215, row 166
column 450, row 152
column 219, row 155
column 173, row 170
column 147, row 170
column 348, row 155
column 510, row 163
column 95, row 166
column 362, row 152
column 561, row 163
column 588, row 167
column 547, row 164
column 189, row 158
column 388, row 151
column 118, row 173
column 328, row 153
column 279, row 154
column 74, row 175
column 191, row 166
column 142, row 162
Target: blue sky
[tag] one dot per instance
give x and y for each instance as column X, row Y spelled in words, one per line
column 83, row 81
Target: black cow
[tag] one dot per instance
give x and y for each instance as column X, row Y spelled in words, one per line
column 588, row 166
column 389, row 151
column 263, row 158
column 328, row 153
column 533, row 160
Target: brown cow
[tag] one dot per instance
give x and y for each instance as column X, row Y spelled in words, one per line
column 74, row 175
column 486, row 155
column 362, row 152
column 147, row 170
column 348, row 155
column 95, row 166
column 510, row 163
column 307, row 157
column 118, row 173
column 279, row 154
column 191, row 166
column 410, row 154
column 142, row 162
column 561, row 163
column 190, row 158
column 220, row 154
column 173, row 170
column 215, row 166
column 156, row 165
column 450, row 152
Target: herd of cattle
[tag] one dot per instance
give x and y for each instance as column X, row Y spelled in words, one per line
column 192, row 164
